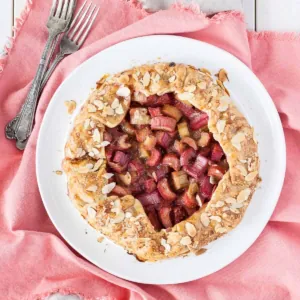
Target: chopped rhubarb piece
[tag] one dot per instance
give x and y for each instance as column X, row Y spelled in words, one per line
column 189, row 200
column 150, row 142
column 189, row 141
column 171, row 111
column 165, row 190
column 192, row 171
column 150, row 185
column 142, row 133
column 205, row 139
column 152, row 216
column 206, row 188
column 205, row 151
column 121, row 158
column 161, row 172
column 196, row 134
column 190, row 211
column 155, row 158
column 143, row 152
column 125, row 178
column 180, row 180
column 224, row 164
column 173, row 134
column 178, row 147
column 198, row 120
column 163, row 139
column 120, row 191
column 216, row 152
column 187, row 156
column 183, row 129
column 153, row 198
column 136, row 166
column 186, row 109
column 179, row 214
column 201, row 163
column 109, row 152
column 155, row 100
column 165, row 216
column 172, row 161
column 151, row 100
column 154, row 111
column 122, row 142
column 139, row 116
column 127, row 128
column 115, row 132
column 216, row 171
column 136, row 188
column 107, row 137
column 163, row 123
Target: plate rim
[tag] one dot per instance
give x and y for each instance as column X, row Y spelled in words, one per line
column 281, row 150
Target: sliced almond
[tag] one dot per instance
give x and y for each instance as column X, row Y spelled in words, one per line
column 86, row 124
column 199, row 201
column 108, row 188
column 190, row 88
column 91, row 108
column 202, row 85
column 164, row 243
column 172, row 78
column 224, row 102
column 174, row 238
column 108, row 175
column 221, row 230
column 230, row 200
column 91, row 154
column 92, row 188
column 157, row 77
column 118, row 218
column 243, row 195
column 58, row 172
column 214, row 93
column 91, row 212
column 97, row 165
column 242, row 169
column 96, row 135
column 222, row 75
column 128, row 215
column 221, row 125
column 234, row 210
column 104, row 143
column 185, row 96
column 99, row 104
column 186, row 240
column 190, row 229
column 236, row 205
column 220, row 203
column 237, row 140
column 204, row 219
column 216, row 218
column 115, row 103
column 146, row 79
column 119, row 110
column 251, row 176
column 123, row 91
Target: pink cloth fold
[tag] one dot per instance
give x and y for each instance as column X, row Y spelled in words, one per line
column 35, row 261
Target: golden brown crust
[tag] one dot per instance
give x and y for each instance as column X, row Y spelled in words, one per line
column 123, row 220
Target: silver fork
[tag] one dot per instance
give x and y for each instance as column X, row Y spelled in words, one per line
column 75, row 36
column 59, row 21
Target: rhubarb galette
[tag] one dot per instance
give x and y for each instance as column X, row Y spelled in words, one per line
column 161, row 161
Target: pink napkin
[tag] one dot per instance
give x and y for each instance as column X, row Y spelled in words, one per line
column 34, row 259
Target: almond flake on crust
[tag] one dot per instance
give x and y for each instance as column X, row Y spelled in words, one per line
column 185, row 96
column 190, row 229
column 172, row 78
column 146, row 79
column 99, row 104
column 204, row 219
column 237, row 140
column 108, row 188
column 251, row 176
column 96, row 135
column 91, row 212
column 202, row 85
column 115, row 103
column 243, row 195
column 185, row 241
column 224, row 103
column 221, row 125
column 164, row 243
column 91, row 108
column 92, row 188
column 123, row 92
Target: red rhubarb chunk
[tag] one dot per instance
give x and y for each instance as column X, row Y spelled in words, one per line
column 206, row 188
column 163, row 139
column 172, row 161
column 121, row 158
column 163, row 123
column 154, row 159
column 165, row 190
column 216, row 152
column 216, row 171
column 198, row 120
column 165, row 217
column 155, row 111
column 160, row 173
column 150, row 185
column 152, row 216
column 187, row 110
column 136, row 166
column 120, row 191
column 187, row 156
column 142, row 133
column 179, row 214
column 153, row 198
column 189, row 141
column 189, row 200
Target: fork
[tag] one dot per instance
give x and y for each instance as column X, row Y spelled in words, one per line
column 58, row 22
column 74, row 37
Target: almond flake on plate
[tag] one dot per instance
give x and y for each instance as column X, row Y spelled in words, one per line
column 71, row 106
column 108, row 188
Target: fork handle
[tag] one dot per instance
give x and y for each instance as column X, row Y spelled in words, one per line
column 22, row 124
column 58, row 58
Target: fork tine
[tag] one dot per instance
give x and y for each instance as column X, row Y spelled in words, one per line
column 53, row 7
column 77, row 16
column 80, row 21
column 81, row 41
column 65, row 9
column 84, row 25
column 58, row 11
column 71, row 9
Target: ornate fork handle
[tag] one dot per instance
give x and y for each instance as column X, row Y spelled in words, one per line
column 20, row 127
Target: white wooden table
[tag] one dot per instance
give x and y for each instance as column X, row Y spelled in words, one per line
column 260, row 15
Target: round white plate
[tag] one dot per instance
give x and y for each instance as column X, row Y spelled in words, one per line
column 248, row 94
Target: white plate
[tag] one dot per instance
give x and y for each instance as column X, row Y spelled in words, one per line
column 248, row 94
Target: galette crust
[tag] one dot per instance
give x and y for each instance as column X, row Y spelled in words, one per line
column 123, row 220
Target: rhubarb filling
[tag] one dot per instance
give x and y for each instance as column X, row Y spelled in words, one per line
column 163, row 154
